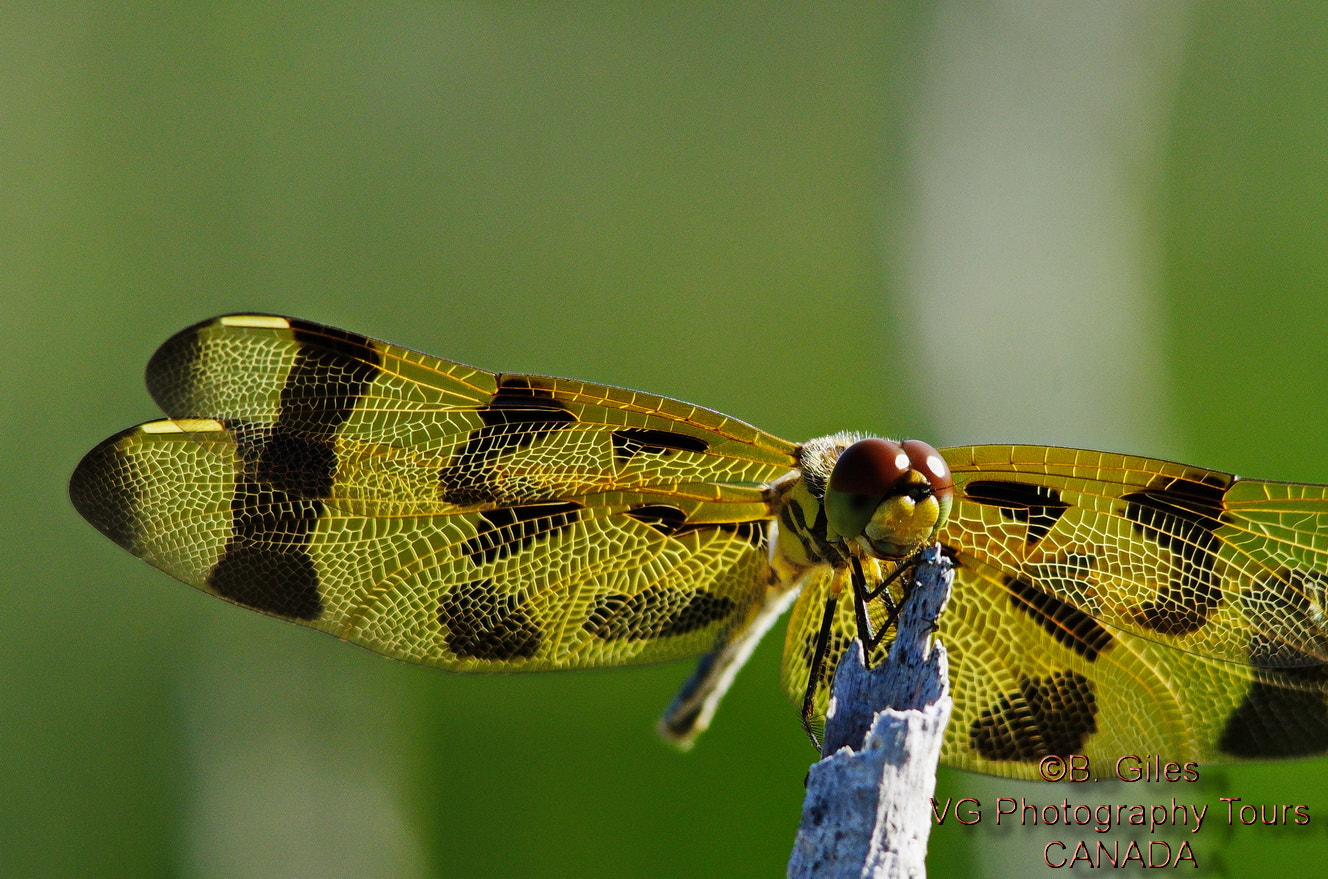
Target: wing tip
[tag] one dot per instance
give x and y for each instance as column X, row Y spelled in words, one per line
column 101, row 489
column 173, row 361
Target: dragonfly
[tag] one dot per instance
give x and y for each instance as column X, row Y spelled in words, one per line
column 1104, row 604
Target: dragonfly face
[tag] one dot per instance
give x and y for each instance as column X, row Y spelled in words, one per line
column 1104, row 604
column 892, row 497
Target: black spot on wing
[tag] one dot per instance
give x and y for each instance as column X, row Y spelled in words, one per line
column 104, row 490
column 1052, row 715
column 508, row 530
column 1037, row 506
column 522, row 400
column 519, row 413
column 269, row 577
column 1284, row 713
column 1066, row 623
column 654, row 613
column 332, row 371
column 290, row 463
column 286, row 472
column 276, row 504
column 672, row 522
column 1182, row 516
column 339, row 344
column 481, row 623
column 631, row 441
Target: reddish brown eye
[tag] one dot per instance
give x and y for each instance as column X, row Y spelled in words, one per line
column 894, row 495
column 871, row 467
column 923, row 458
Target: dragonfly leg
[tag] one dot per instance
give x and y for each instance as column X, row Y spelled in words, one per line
column 863, row 596
column 817, row 671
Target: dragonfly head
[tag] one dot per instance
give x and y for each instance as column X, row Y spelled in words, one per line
column 891, row 497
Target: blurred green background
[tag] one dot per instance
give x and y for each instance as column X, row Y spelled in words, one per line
column 1087, row 224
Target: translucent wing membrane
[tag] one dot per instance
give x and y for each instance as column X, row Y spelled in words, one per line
column 411, row 434
column 434, row 512
column 1199, row 561
column 1109, row 605
column 1103, row 604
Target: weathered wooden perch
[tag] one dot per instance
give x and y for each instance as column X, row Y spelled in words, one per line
column 867, row 812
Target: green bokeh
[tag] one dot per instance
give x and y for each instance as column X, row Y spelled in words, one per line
column 683, row 198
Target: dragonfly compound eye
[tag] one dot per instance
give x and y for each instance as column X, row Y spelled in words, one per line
column 924, row 459
column 894, row 496
column 865, row 474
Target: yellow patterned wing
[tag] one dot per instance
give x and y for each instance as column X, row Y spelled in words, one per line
column 1110, row 605
column 434, row 512
column 440, row 514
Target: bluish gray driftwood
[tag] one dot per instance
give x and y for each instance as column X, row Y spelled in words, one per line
column 867, row 812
